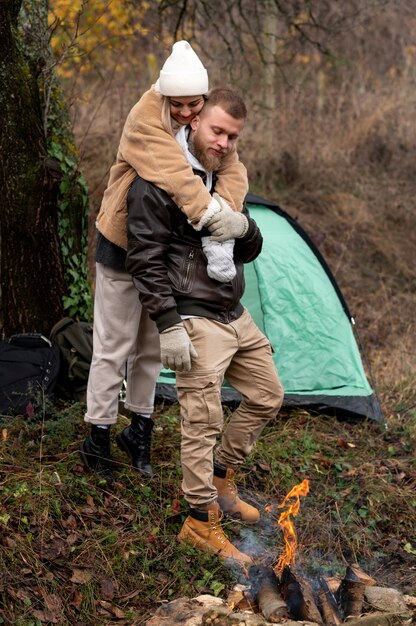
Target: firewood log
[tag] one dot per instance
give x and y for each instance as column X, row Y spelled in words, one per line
column 328, row 605
column 266, row 593
column 298, row 595
column 350, row 594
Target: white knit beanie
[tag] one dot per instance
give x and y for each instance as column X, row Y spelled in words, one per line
column 182, row 73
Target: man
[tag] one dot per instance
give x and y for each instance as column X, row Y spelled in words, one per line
column 205, row 332
column 122, row 330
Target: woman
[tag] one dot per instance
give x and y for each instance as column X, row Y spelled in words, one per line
column 123, row 332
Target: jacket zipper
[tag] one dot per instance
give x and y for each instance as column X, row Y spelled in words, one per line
column 188, row 265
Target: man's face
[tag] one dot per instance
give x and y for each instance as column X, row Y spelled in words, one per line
column 214, row 135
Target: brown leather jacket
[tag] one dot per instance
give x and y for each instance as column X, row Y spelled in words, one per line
column 168, row 266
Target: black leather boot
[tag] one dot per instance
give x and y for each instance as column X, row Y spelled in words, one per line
column 136, row 440
column 95, row 453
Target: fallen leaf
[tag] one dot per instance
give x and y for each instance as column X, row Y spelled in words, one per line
column 163, row 578
column 46, row 616
column 107, row 589
column 341, row 443
column 72, row 538
column 70, row 522
column 88, row 510
column 53, row 602
column 129, row 596
column 326, row 463
column 56, row 547
column 112, row 609
column 77, row 598
column 80, row 576
column 352, row 471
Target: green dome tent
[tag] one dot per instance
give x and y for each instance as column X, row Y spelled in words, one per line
column 294, row 298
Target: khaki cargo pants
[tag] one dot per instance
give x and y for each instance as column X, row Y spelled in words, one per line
column 240, row 352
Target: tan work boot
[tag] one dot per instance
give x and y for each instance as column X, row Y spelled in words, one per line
column 230, row 503
column 202, row 529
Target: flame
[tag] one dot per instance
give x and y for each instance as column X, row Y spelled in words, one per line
column 291, row 503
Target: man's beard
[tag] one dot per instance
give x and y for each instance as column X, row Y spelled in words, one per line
column 210, row 162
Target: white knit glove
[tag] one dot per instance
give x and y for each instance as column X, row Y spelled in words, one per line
column 176, row 349
column 212, row 209
column 226, row 224
column 220, row 257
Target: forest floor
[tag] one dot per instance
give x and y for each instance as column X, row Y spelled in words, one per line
column 75, row 552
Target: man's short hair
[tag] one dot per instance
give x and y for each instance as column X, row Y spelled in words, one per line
column 227, row 99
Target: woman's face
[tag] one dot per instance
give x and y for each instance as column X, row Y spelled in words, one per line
column 183, row 109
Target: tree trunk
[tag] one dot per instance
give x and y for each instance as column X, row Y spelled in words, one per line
column 269, row 38
column 31, row 281
column 32, row 278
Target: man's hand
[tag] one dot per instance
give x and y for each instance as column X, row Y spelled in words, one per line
column 227, row 224
column 176, row 349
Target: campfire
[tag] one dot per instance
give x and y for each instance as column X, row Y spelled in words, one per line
column 282, row 591
column 292, row 595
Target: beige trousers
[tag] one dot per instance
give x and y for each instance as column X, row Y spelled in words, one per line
column 240, row 352
column 123, row 334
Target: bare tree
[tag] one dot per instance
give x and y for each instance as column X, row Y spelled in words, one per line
column 257, row 42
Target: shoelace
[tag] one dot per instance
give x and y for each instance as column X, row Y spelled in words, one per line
column 217, row 528
column 232, row 487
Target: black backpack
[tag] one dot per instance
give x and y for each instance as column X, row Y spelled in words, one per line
column 74, row 339
column 29, row 368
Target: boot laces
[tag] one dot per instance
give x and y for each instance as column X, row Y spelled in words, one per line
column 232, row 487
column 217, row 529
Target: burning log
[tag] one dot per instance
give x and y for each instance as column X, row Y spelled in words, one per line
column 328, row 604
column 266, row 593
column 290, row 506
column 350, row 594
column 298, row 595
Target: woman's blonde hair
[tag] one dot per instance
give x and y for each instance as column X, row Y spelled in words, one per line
column 166, row 118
